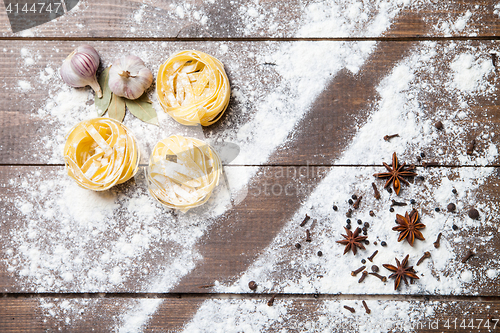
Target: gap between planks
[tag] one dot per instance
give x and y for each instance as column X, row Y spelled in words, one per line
column 452, row 166
column 252, row 39
column 339, row 297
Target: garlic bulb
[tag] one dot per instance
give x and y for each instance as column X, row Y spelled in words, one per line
column 79, row 68
column 129, row 77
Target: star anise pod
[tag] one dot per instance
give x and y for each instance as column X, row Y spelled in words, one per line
column 396, row 174
column 401, row 272
column 408, row 227
column 352, row 241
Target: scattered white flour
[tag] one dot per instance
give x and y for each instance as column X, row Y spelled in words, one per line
column 24, row 85
column 469, row 71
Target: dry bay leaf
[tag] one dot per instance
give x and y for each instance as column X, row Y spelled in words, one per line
column 116, row 109
column 102, row 104
column 142, row 109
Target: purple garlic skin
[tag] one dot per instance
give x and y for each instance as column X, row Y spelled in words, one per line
column 80, row 67
column 129, row 77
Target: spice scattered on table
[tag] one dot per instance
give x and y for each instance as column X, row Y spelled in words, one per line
column 349, row 308
column 396, row 174
column 352, row 241
column 409, row 227
column 303, row 223
column 252, row 285
column 425, row 256
column 401, row 272
column 473, row 213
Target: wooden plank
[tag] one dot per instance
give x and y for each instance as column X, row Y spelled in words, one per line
column 59, row 238
column 267, row 19
column 452, row 82
column 296, row 314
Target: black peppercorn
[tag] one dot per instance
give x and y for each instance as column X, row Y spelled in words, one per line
column 375, row 268
column 366, row 225
column 473, row 213
column 252, row 285
column 455, row 227
column 454, row 191
column 375, row 243
column 391, row 210
column 451, row 207
column 348, row 221
column 363, row 261
column 335, row 208
column 320, row 253
column 365, row 232
column 350, row 201
column 360, row 222
column 298, row 246
column 389, row 190
column 412, row 201
column 422, row 155
column 348, row 227
column 437, row 209
column 367, row 242
column 354, row 197
column 383, row 243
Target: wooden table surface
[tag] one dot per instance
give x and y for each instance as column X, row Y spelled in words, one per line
column 63, row 268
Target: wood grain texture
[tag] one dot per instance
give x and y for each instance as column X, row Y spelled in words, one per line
column 322, row 132
column 229, row 244
column 103, row 315
column 268, row 19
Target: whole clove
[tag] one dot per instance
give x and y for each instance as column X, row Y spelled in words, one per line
column 358, row 201
column 397, row 203
column 354, row 273
column 363, row 276
column 367, row 309
column 389, row 137
column 376, row 193
column 307, row 218
column 470, row 147
column 349, row 308
column 426, row 255
column 382, row 278
column 271, row 300
column 467, row 256
column 373, row 256
column 438, row 240
column 308, row 235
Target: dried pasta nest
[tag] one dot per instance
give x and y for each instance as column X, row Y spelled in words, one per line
column 100, row 153
column 183, row 172
column 192, row 87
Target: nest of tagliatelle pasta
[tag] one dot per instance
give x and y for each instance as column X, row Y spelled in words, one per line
column 100, row 153
column 193, row 88
column 183, row 172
